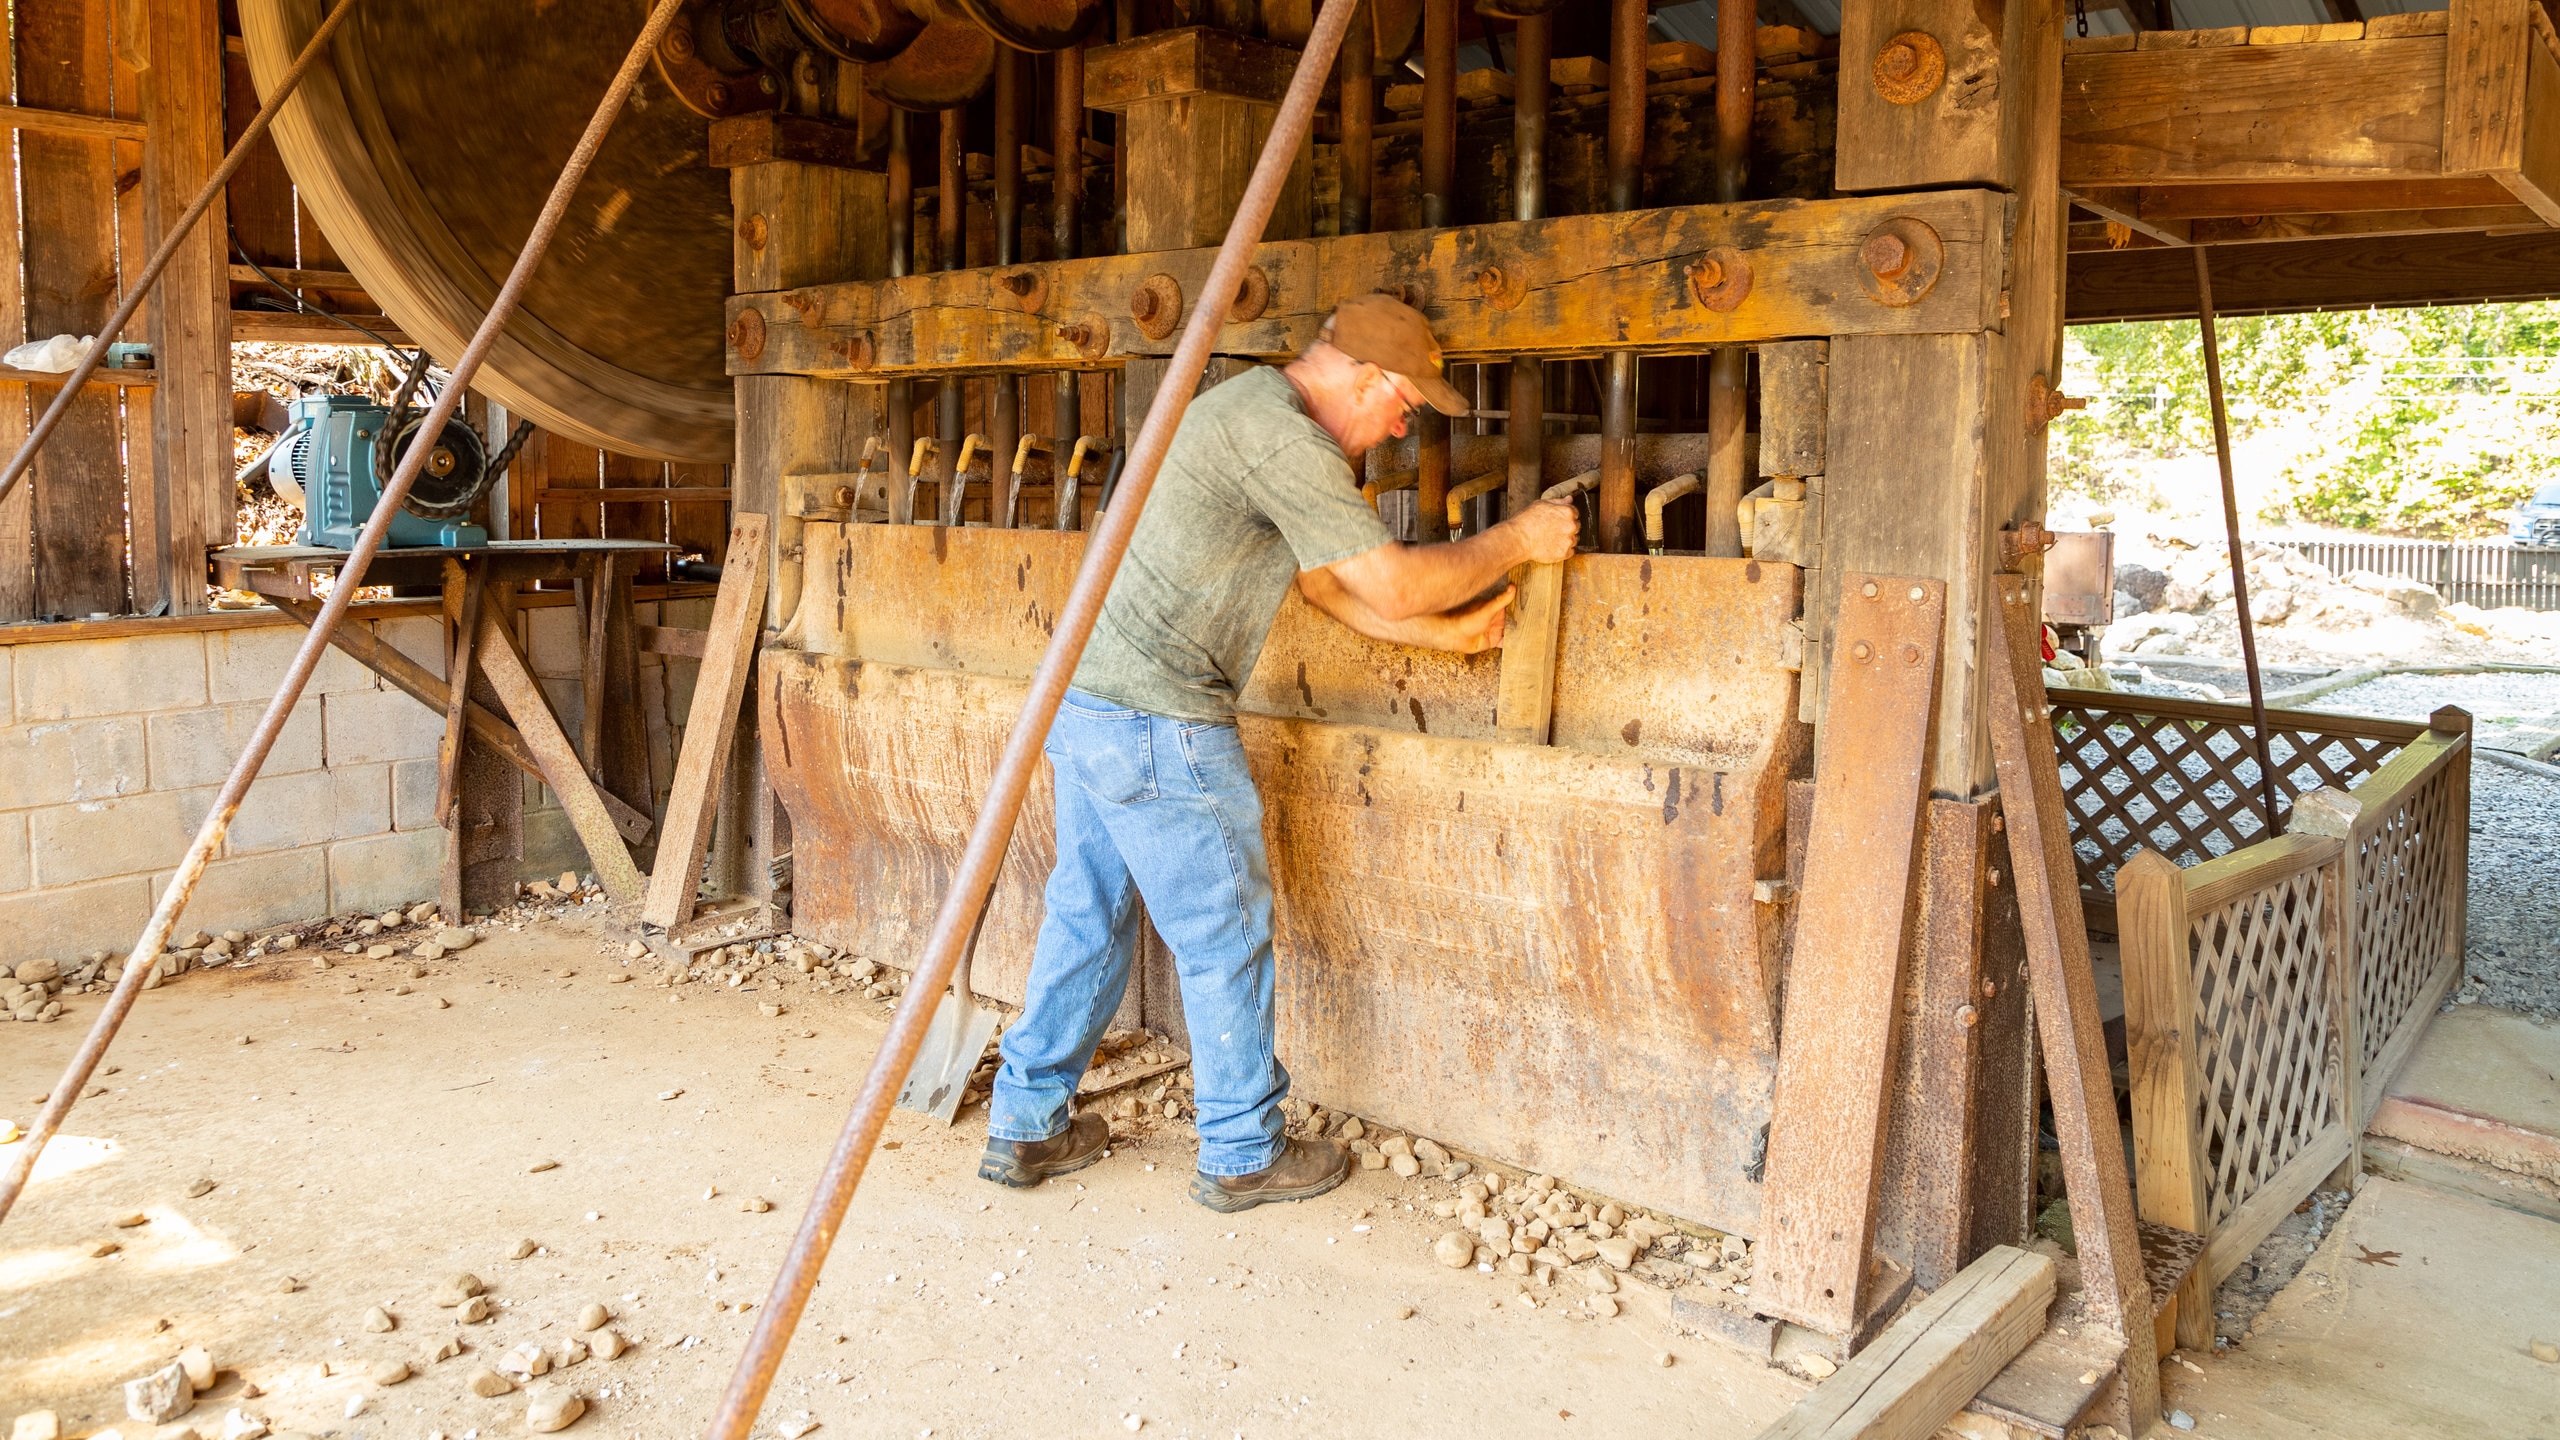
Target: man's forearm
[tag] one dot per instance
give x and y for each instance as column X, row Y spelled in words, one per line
column 1465, row 633
column 1403, row 582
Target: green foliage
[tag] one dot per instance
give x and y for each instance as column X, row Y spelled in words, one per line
column 2426, row 422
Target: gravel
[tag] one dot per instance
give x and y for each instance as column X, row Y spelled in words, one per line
column 2490, row 696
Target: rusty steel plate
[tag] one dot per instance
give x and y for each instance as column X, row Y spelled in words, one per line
column 1561, row 940
column 425, row 147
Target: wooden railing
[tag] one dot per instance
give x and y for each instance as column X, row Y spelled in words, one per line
column 2271, row 991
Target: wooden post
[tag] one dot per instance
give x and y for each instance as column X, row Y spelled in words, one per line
column 190, row 441
column 2160, row 1053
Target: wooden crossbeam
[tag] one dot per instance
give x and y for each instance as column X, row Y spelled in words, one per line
column 1914, row 1377
column 1574, row 284
column 579, row 795
column 711, row 726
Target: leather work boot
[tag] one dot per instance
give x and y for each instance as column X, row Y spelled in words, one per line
column 1024, row 1163
column 1305, row 1169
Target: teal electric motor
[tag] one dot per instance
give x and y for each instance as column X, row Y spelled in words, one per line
column 333, row 460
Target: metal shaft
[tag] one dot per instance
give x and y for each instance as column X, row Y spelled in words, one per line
column 2231, row 539
column 1004, row 392
column 902, row 259
column 1439, row 112
column 993, row 831
column 1618, row 530
column 1066, row 211
column 140, row 289
column 1359, row 67
column 315, row 642
column 951, row 231
column 1532, row 52
column 1737, row 74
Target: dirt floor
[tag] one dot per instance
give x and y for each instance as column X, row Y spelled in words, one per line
column 364, row 1145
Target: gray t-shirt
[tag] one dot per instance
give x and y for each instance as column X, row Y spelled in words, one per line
column 1252, row 492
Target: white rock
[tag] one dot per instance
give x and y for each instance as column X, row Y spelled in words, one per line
column 1599, row 1281
column 1620, row 1252
column 609, row 1345
column 488, row 1384
column 241, row 1425
column 161, row 1396
column 37, row 1425
column 593, row 1316
column 553, row 1409
column 525, row 1361
column 1818, row 1365
column 198, row 1365
column 1454, row 1250
column 378, row 1321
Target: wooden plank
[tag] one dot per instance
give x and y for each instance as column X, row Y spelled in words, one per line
column 2312, row 275
column 294, row 279
column 800, row 139
column 2118, row 1293
column 190, row 444
column 68, row 182
column 1196, row 60
column 2160, row 1044
column 673, row 640
column 2405, row 24
column 2325, row 33
column 1588, row 281
column 267, row 327
column 2358, row 110
column 1950, row 137
column 2484, row 85
column 522, row 695
column 1926, row 1365
column 420, row 684
column 259, row 198
column 66, row 122
column 629, row 494
column 2259, row 1215
column 1794, row 407
column 710, row 726
column 1525, row 696
column 1925, row 1216
column 2252, row 229
column 1826, row 1128
column 2313, row 197
column 2050, row 1385
column 463, row 592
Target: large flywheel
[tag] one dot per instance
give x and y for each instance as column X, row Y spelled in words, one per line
column 427, row 142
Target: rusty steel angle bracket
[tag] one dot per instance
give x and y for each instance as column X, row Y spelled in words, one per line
column 2066, row 994
column 1835, row 1047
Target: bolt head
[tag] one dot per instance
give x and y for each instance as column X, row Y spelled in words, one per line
column 1862, row 651
column 1143, row 304
column 719, row 92
column 1897, row 60
column 1490, row 280
column 679, row 44
column 1886, row 255
column 1967, row 1016
column 1868, row 590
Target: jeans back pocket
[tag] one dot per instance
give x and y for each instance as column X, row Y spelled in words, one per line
column 1113, row 757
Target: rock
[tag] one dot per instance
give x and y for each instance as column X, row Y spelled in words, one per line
column 130, row 1218
column 1433, row 1157
column 475, row 1310
column 1644, row 1230
column 2547, row 1352
column 1454, row 1250
column 198, row 1365
column 488, row 1384
column 288, row 1285
column 1352, row 1129
column 199, row 1189
column 1372, row 1160
column 1818, row 1365
column 521, row 1249
column 1395, row 1145
column 103, row 1249
column 427, row 950
column 1620, row 1252
column 161, row 1396
column 444, row 1349
column 1494, row 1233
column 571, row 1352
column 1604, row 1306
column 379, row 1321
column 393, row 918
column 1598, row 1281
column 241, row 1425
column 609, row 1345
column 538, row 1166
column 2181, row 1420
column 1455, row 1171
column 525, row 1361
column 443, row 1004
column 368, row 928
column 1405, row 1165
column 553, row 1409
column 381, row 952
column 592, row 1317
column 1403, row 1312
column 37, row 972
column 755, row 1205
column 458, row 1287
column 388, row 1372
column 2143, row 583
column 37, row 1425
column 770, row 1012
column 422, row 912
column 455, row 939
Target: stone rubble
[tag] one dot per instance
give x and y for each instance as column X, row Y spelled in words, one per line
column 161, row 1396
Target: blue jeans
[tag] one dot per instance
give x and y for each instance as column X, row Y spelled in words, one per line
column 1162, row 809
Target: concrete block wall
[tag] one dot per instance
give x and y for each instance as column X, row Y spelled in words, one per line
column 111, row 751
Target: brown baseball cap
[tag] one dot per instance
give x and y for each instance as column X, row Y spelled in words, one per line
column 1384, row 331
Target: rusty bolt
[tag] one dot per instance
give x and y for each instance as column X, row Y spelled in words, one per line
column 1910, row 654
column 1490, row 280
column 1142, row 304
column 1863, row 651
column 1898, row 60
column 1967, row 1016
column 1990, row 987
column 718, row 94
column 746, row 334
column 1020, row 282
column 1076, row 335
column 1868, row 589
column 1910, row 67
column 767, row 84
column 1887, row 255
column 754, row 231
column 679, row 43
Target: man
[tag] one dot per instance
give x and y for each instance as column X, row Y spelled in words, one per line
column 1260, row 490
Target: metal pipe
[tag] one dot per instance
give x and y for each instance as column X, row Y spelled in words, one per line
column 1004, row 391
column 1657, row 497
column 951, row 234
column 1532, row 51
column 1627, row 19
column 993, row 831
column 1359, row 70
column 2231, row 540
column 1728, row 376
column 186, row 223
column 1439, row 112
column 902, row 259
column 315, row 642
column 1066, row 218
column 1484, row 484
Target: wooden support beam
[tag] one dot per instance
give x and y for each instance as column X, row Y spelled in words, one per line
column 190, row 312
column 2116, row 1287
column 2160, row 1056
column 1525, row 694
column 1926, row 1365
column 293, row 279
column 2257, row 229
column 2502, row 102
column 2306, row 197
column 1827, row 1122
column 1570, row 285
column 66, row 122
column 711, row 726
column 1196, row 60
column 2356, row 110
column 2346, row 274
column 507, row 673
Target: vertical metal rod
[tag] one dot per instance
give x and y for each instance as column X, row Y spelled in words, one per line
column 951, row 234
column 902, row 260
column 1617, row 502
column 1004, row 391
column 1728, row 378
column 979, row 863
column 315, row 642
column 1532, row 52
column 1359, row 71
column 2231, row 540
column 140, row 289
column 1066, row 221
column 1439, row 112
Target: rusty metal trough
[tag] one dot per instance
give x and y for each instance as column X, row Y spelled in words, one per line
column 1547, row 955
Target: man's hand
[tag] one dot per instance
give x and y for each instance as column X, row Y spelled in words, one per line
column 1473, row 630
column 1548, row 530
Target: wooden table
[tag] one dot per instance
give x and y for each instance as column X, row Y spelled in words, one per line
column 497, row 720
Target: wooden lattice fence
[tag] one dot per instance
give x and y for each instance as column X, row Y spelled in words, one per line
column 2271, row 990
